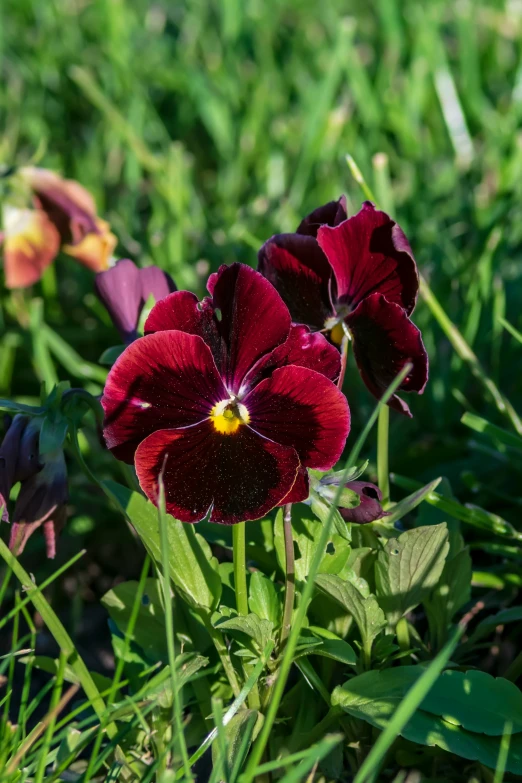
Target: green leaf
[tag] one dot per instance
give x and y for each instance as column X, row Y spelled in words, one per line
column 469, row 699
column 452, row 591
column 321, row 509
column 52, row 665
column 335, row 649
column 53, row 433
column 149, row 631
column 239, row 733
column 511, row 615
column 257, row 629
column 110, row 355
column 263, row 599
column 193, row 569
column 408, row 568
column 364, row 609
column 18, row 407
column 404, row 506
column 306, row 531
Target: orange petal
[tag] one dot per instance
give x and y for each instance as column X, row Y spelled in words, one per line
column 94, row 250
column 31, row 243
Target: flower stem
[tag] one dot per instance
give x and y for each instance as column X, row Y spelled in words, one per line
column 290, row 574
column 344, row 359
column 240, row 582
column 403, row 637
column 383, row 473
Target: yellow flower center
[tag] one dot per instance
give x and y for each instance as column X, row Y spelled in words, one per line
column 228, row 416
column 337, row 334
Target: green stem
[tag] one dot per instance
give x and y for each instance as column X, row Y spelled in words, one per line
column 403, row 638
column 383, row 472
column 240, row 582
column 61, row 636
column 290, row 574
column 222, row 651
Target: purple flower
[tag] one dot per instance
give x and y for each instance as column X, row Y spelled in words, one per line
column 369, row 508
column 124, row 290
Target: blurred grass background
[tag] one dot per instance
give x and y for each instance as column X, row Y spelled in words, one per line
column 202, row 127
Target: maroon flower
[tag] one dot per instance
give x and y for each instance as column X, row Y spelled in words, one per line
column 124, row 290
column 369, row 509
column 357, row 274
column 229, row 399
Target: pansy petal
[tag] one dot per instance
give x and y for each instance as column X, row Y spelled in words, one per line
column 303, row 348
column 31, row 243
column 119, row 288
column 167, row 379
column 384, row 340
column 237, row 477
column 252, row 319
column 370, row 254
column 300, row 490
column 155, row 282
column 297, row 267
column 330, row 214
column 95, row 249
column 300, row 407
column 369, row 509
column 182, row 311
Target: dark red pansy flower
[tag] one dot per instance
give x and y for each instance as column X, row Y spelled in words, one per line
column 124, row 290
column 356, row 274
column 369, row 509
column 228, row 399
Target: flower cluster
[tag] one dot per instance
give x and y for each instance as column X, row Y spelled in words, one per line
column 61, row 215
column 231, row 399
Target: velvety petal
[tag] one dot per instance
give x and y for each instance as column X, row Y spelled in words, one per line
column 301, row 408
column 252, row 319
column 384, row 340
column 8, row 457
column 369, row 508
column 297, row 267
column 237, row 477
column 119, row 288
column 370, row 254
column 303, row 348
column 167, row 379
column 31, row 243
column 95, row 249
column 69, row 205
column 330, row 214
column 182, row 311
column 300, row 490
column 156, row 282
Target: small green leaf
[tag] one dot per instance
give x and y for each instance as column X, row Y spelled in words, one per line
column 404, row 506
column 53, row 433
column 18, row 407
column 408, row 567
column 252, row 626
column 110, row 355
column 364, row 609
column 335, row 649
column 263, row 599
column 193, row 569
column 322, row 511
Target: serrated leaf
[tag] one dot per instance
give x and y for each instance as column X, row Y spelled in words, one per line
column 365, row 610
column 408, row 568
column 193, row 569
column 263, row 599
column 306, row 531
column 260, row 631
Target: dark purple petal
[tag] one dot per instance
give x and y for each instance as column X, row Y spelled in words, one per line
column 124, row 290
column 369, row 508
column 303, row 348
column 119, row 288
column 156, row 282
column 182, row 311
column 18, row 456
column 384, row 340
column 369, row 254
column 167, row 379
column 252, row 319
column 330, row 214
column 301, row 408
column 236, row 477
column 297, row 267
column 300, row 490
column 41, row 502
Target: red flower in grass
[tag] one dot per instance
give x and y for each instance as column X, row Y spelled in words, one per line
column 356, row 274
column 229, row 399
